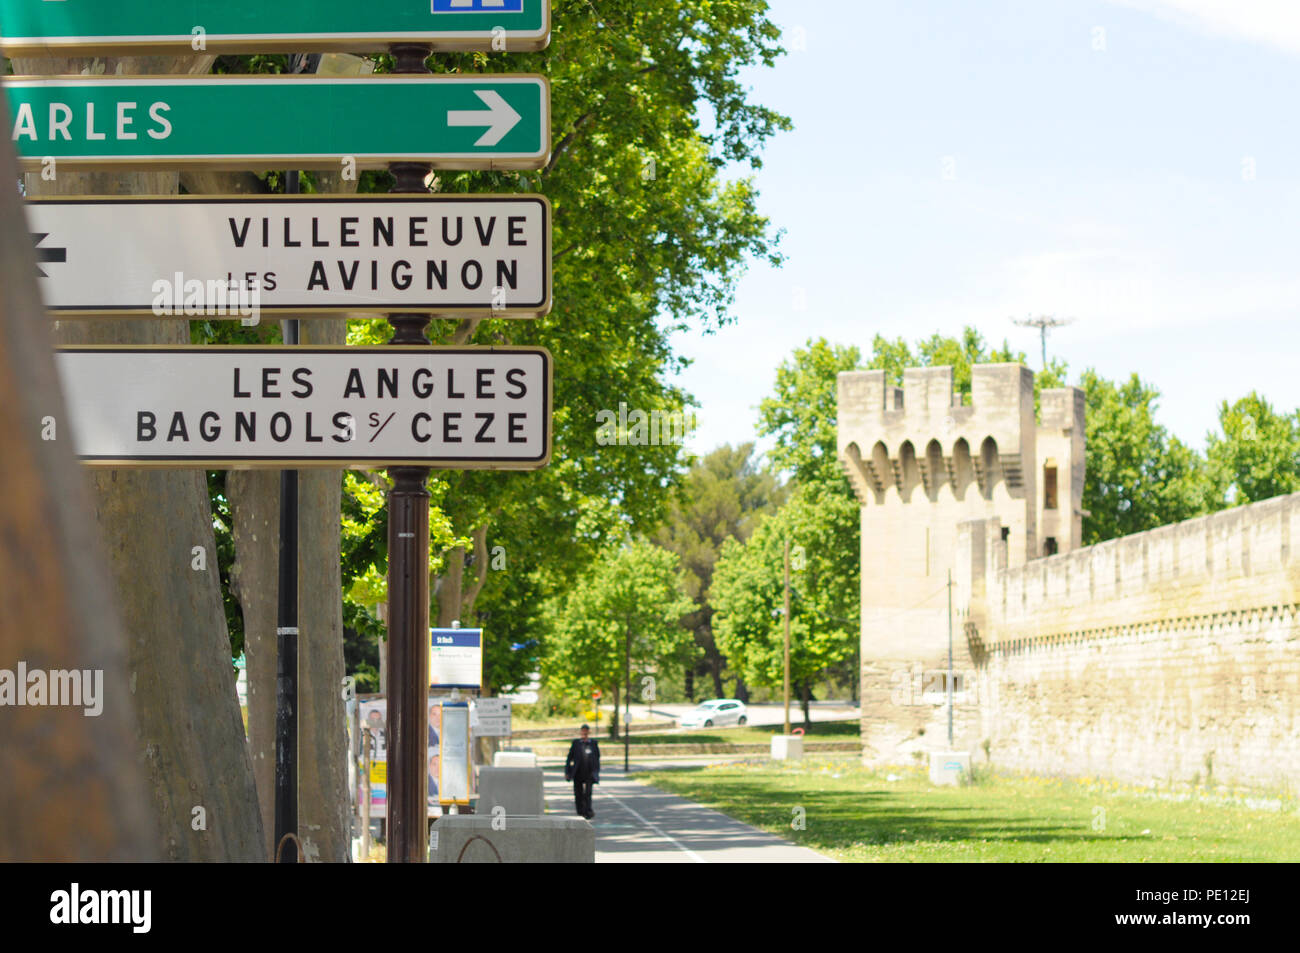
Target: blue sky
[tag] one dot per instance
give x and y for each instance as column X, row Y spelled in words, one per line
column 1132, row 164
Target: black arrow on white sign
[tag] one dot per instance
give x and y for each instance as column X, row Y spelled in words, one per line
column 48, row 255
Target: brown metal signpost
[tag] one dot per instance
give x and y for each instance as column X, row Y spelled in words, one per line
column 408, row 588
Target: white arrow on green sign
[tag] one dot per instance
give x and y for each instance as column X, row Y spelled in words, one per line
column 277, row 122
column 114, row 27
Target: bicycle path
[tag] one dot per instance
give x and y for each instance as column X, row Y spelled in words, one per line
column 639, row 824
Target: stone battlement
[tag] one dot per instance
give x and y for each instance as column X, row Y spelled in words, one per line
column 1197, row 567
column 922, row 435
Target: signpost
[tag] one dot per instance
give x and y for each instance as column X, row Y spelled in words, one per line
column 492, row 121
column 409, row 407
column 456, row 659
column 222, row 408
column 490, row 718
column 322, row 254
column 97, row 28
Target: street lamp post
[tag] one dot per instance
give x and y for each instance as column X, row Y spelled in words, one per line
column 787, row 636
column 627, row 693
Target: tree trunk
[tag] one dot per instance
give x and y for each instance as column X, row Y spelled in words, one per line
column 454, row 601
column 323, row 800
column 323, row 815
column 254, row 497
column 613, row 722
column 158, row 526
column 447, row 588
column 716, row 664
column 70, row 784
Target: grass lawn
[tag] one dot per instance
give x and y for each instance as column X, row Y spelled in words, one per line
column 854, row 814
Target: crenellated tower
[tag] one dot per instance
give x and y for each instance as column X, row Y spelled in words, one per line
column 921, row 461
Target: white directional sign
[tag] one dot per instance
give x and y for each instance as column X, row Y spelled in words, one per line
column 449, row 254
column 223, row 408
column 490, row 718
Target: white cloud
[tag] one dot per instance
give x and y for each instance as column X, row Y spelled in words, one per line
column 1272, row 22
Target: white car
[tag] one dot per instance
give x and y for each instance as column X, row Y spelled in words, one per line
column 715, row 713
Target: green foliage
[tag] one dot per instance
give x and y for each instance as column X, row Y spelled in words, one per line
column 1257, row 453
column 631, row 600
column 722, row 498
column 649, row 238
column 821, row 526
column 961, row 354
column 1138, row 475
column 225, row 558
column 893, row 357
column 550, row 706
column 802, row 413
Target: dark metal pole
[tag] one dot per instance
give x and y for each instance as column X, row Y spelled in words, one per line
column 408, row 587
column 627, row 696
column 286, row 687
column 949, row 659
column 787, row 637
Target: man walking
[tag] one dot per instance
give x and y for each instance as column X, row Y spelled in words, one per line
column 582, row 767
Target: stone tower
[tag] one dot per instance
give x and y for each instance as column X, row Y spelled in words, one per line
column 921, row 462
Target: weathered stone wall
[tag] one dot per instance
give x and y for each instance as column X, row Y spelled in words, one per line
column 1167, row 656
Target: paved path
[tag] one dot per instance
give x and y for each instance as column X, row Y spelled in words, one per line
column 636, row 823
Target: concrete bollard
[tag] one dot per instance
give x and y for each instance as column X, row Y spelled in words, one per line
column 483, row 839
column 514, row 759
column 949, row 767
column 518, row 790
column 787, row 747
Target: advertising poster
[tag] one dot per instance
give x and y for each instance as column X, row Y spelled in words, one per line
column 435, row 753
column 374, row 715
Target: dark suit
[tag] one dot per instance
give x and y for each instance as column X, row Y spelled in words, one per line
column 582, row 767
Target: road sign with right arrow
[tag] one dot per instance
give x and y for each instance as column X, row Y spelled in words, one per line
column 463, row 122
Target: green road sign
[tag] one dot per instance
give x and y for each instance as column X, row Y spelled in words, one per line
column 114, row 27
column 281, row 122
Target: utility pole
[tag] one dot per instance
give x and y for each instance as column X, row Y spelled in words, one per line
column 949, row 659
column 787, row 636
column 627, row 692
column 1044, row 323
